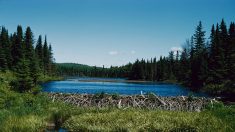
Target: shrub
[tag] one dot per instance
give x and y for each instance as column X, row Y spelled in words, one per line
column 58, row 117
column 214, row 88
column 37, row 89
column 100, row 95
column 115, row 96
column 151, row 96
column 190, row 96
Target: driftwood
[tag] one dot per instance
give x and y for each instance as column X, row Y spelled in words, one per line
column 180, row 103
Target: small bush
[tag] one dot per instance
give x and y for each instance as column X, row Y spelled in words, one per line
column 100, row 95
column 215, row 89
column 115, row 96
column 215, row 105
column 190, row 96
column 59, row 117
column 151, row 96
column 36, row 90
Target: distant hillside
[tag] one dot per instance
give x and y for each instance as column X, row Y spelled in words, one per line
column 74, row 69
column 75, row 65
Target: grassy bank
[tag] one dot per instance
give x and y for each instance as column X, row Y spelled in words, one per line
column 28, row 112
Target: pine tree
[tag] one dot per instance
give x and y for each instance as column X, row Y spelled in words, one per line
column 198, row 60
column 231, row 62
column 17, row 46
column 225, row 46
column 30, row 55
column 24, row 80
column 171, row 65
column 39, row 52
column 46, row 57
column 4, row 38
column 160, row 69
column 183, row 67
column 184, row 64
column 199, row 39
column 51, row 65
column 3, row 62
column 155, row 71
column 177, row 66
column 28, row 40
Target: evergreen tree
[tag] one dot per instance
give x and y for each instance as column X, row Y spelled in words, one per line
column 171, row 66
column 160, row 70
column 46, row 57
column 231, row 55
column 155, row 69
column 4, row 38
column 183, row 67
column 17, row 46
column 225, row 46
column 30, row 55
column 177, row 65
column 51, row 66
column 198, row 61
column 24, row 80
column 29, row 49
column 39, row 51
column 217, row 69
column 199, row 39
column 3, row 62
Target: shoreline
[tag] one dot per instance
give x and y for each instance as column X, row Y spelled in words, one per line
column 113, row 80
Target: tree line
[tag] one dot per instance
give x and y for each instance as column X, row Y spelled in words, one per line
column 28, row 60
column 202, row 64
column 73, row 69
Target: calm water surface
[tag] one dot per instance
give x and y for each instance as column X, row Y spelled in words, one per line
column 112, row 86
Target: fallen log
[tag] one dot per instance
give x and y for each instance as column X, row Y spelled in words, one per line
column 180, row 103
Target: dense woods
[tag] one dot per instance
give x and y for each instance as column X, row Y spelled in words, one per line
column 29, row 61
column 73, row 69
column 202, row 64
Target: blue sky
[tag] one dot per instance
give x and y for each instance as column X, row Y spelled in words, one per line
column 113, row 32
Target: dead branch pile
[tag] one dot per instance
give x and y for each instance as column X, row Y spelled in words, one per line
column 151, row 101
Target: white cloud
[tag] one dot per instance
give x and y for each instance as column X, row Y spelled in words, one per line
column 113, row 52
column 133, row 52
column 175, row 49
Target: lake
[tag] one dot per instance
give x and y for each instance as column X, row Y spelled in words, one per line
column 113, row 86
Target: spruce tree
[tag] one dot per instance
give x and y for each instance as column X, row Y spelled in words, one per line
column 39, row 52
column 231, row 62
column 216, row 61
column 3, row 62
column 28, row 40
column 17, row 46
column 160, row 70
column 225, row 46
column 183, row 67
column 51, row 66
column 24, row 79
column 171, row 65
column 30, row 55
column 46, row 57
column 198, row 60
column 4, row 38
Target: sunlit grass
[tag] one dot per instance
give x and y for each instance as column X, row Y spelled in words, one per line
column 27, row 123
column 145, row 120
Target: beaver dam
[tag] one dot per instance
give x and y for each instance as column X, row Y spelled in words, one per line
column 150, row 101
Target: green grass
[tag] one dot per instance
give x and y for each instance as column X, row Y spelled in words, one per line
column 22, row 112
column 142, row 120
